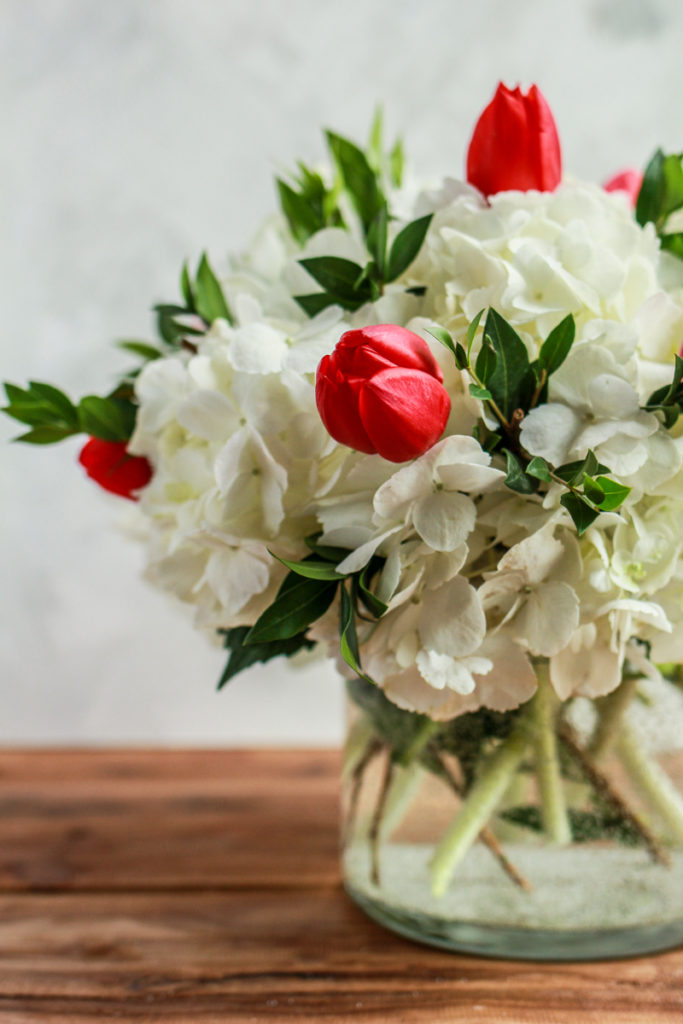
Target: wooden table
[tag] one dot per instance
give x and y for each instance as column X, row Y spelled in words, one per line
column 203, row 886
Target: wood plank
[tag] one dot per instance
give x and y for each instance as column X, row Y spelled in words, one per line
column 278, row 956
column 99, row 820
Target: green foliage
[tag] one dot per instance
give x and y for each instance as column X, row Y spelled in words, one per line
column 556, row 346
column 470, row 736
column 308, row 205
column 51, row 415
column 661, row 192
column 243, row 656
column 360, row 181
column 111, row 419
column 407, row 245
column 668, row 400
column 510, row 378
column 299, row 602
column 586, row 826
column 517, row 478
column 394, row 726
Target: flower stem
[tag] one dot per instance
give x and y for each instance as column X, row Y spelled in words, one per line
column 551, row 790
column 403, row 789
column 652, row 781
column 373, row 836
column 480, row 804
column 611, row 713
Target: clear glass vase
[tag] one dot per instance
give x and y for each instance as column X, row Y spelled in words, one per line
column 553, row 832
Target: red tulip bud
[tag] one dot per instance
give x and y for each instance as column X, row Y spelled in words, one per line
column 515, row 144
column 109, row 464
column 628, row 181
column 381, row 392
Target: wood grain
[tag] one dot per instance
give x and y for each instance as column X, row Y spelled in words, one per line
column 203, row 886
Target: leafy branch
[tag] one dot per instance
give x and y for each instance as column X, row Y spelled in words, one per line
column 510, row 385
column 661, row 195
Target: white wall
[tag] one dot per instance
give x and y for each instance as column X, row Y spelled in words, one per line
column 139, row 132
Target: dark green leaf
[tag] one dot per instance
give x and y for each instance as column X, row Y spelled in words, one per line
column 581, row 512
column 47, row 434
column 209, row 299
column 538, row 467
column 443, row 337
column 373, row 604
column 486, row 363
column 516, row 478
column 375, row 142
column 573, row 472
column 407, row 245
column 512, row 381
column 673, row 243
column 348, row 638
column 556, row 346
column 186, row 289
column 377, row 240
column 41, row 405
column 298, row 603
column 339, row 277
column 301, row 216
column 360, row 181
column 243, row 656
column 326, row 551
column 661, row 193
column 317, row 301
column 111, row 419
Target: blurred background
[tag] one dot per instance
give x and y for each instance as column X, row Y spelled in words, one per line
column 135, row 135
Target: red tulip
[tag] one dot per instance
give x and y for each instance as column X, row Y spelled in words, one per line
column 381, row 391
column 628, row 181
column 109, row 464
column 515, row 144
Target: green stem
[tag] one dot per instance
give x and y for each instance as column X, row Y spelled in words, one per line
column 359, row 736
column 652, row 781
column 611, row 711
column 480, row 804
column 403, row 789
column 551, row 790
column 419, row 741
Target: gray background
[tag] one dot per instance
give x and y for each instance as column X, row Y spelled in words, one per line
column 136, row 134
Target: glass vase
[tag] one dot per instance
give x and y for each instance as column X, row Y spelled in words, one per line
column 552, row 832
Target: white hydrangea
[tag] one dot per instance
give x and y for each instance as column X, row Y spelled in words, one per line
column 478, row 580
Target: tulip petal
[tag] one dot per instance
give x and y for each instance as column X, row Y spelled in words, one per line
column 404, row 412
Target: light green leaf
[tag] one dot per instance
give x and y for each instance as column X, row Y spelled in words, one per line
column 407, row 245
column 209, row 298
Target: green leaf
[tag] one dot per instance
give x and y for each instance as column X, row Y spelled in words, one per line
column 573, row 472
column 516, row 478
column 209, row 299
column 581, row 512
column 325, row 551
column 141, row 348
column 168, row 327
column 661, row 193
column 311, row 568
column 360, row 181
column 375, row 142
column 41, row 405
column 339, row 277
column 441, row 335
column 673, row 243
column 373, row 603
column 407, row 245
column 243, row 656
column 472, row 331
column 538, row 467
column 186, row 289
column 298, row 603
column 556, row 346
column 47, row 434
column 486, row 363
column 317, row 301
column 348, row 638
column 478, row 392
column 302, row 218
column 377, row 240
column 396, row 164
column 512, row 381
column 111, row 419
column 614, row 494
column 593, row 490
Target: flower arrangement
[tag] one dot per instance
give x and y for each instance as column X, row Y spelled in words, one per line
column 436, row 428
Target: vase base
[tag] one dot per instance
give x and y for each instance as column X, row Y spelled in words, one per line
column 508, row 943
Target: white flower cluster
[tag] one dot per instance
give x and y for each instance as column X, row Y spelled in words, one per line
column 479, row 580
